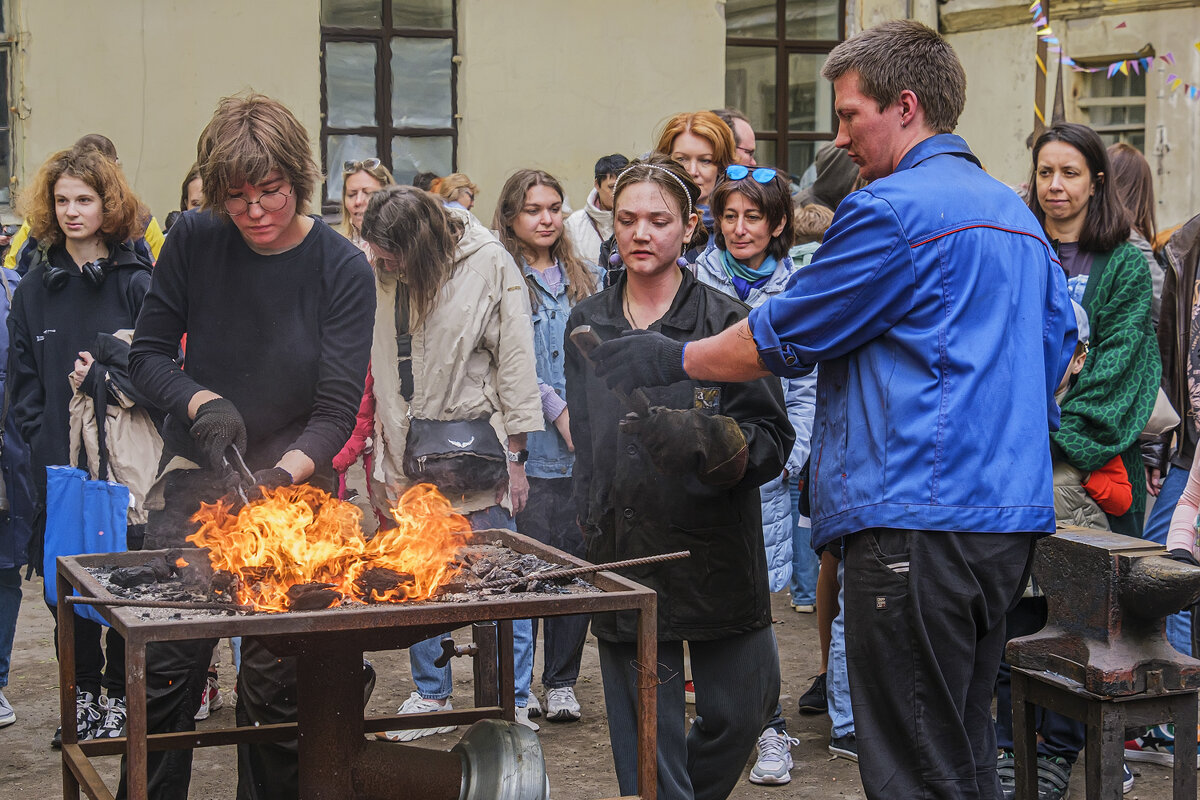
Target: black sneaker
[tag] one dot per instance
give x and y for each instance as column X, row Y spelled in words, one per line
column 113, row 724
column 1006, row 771
column 815, row 701
column 844, row 747
column 1053, row 777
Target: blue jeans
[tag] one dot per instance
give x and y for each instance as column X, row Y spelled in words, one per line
column 837, row 680
column 436, row 683
column 805, row 562
column 10, row 605
column 1179, row 626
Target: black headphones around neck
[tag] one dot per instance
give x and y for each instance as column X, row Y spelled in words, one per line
column 94, row 272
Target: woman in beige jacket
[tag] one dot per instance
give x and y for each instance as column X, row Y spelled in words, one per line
column 453, row 341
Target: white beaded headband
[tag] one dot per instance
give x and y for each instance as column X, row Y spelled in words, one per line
column 665, row 171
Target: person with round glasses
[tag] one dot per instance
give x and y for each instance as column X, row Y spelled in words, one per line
column 748, row 259
column 278, row 309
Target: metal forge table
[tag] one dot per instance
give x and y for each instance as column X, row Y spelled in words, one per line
column 336, row 761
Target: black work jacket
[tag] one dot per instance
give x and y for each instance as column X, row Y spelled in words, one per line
column 628, row 509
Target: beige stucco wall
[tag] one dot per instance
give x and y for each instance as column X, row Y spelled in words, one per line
column 555, row 85
column 1000, row 85
column 148, row 74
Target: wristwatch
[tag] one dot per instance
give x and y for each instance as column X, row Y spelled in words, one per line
column 519, row 457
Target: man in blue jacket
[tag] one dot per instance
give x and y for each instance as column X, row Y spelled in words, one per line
column 940, row 319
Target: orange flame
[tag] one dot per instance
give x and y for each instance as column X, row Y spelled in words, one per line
column 299, row 535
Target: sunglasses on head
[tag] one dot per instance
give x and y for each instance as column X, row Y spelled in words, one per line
column 355, row 166
column 735, row 172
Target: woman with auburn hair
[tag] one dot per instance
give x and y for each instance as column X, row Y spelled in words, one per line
column 703, row 145
column 85, row 278
column 457, row 191
column 452, row 343
column 672, row 468
column 529, row 222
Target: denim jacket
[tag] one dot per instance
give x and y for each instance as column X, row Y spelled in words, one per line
column 548, row 453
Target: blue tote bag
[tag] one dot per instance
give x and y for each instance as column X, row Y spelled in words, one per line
column 82, row 517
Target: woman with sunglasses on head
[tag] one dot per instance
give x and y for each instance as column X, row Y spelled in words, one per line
column 85, row 278
column 360, row 180
column 748, row 259
column 457, row 191
column 681, row 472
column 277, row 308
column 529, row 222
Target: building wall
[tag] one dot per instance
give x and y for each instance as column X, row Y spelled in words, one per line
column 1000, row 84
column 148, row 74
column 557, row 85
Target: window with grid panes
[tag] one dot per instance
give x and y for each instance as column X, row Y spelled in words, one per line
column 774, row 50
column 387, row 87
column 1116, row 107
column 7, row 44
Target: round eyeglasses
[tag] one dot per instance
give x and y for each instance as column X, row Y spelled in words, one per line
column 735, row 172
column 268, row 202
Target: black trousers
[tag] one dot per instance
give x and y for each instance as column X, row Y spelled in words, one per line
column 924, row 635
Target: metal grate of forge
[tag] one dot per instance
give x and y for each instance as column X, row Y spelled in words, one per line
column 336, row 762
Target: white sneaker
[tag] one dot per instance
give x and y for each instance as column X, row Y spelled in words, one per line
column 774, row 764
column 561, row 705
column 523, row 718
column 415, row 704
column 7, row 715
column 535, row 708
column 210, row 698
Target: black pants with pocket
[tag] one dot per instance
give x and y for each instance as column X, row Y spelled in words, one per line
column 924, row 635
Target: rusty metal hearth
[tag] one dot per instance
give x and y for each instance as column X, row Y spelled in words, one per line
column 336, row 761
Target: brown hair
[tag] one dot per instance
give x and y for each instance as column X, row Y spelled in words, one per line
column 412, row 225
column 379, row 173
column 729, row 116
column 810, row 222
column 249, row 137
column 98, row 141
column 193, row 173
column 581, row 281
column 1134, row 184
column 121, row 208
column 1106, row 222
column 707, row 126
column 904, row 54
column 452, row 184
column 774, row 200
column 680, row 188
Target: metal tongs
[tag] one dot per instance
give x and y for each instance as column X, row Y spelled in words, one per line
column 237, row 465
column 636, row 404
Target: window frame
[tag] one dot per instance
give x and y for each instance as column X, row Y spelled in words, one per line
column 1084, row 101
column 784, row 48
column 8, row 45
column 384, row 131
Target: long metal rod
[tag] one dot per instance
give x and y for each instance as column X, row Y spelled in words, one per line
column 555, row 574
column 175, row 604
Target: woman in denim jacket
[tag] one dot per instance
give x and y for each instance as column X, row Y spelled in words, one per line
column 529, row 221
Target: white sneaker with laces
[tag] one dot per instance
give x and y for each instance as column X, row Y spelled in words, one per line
column 522, row 716
column 774, row 764
column 535, row 708
column 7, row 715
column 415, row 704
column 561, row 705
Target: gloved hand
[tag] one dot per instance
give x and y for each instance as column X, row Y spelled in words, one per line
column 217, row 425
column 1185, row 556
column 712, row 447
column 639, row 358
column 271, row 478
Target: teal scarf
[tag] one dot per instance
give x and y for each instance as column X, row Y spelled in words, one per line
column 737, row 269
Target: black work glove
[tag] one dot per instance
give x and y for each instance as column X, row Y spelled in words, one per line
column 711, row 447
column 217, row 425
column 271, row 478
column 639, row 358
column 1184, row 556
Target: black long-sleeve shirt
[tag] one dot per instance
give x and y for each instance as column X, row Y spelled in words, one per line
column 284, row 337
column 47, row 330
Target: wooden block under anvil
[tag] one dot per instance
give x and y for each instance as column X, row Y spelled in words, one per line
column 1108, row 598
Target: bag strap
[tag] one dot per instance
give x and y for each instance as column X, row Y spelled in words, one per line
column 100, row 405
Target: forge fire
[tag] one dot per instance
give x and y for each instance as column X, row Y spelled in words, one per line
column 299, row 547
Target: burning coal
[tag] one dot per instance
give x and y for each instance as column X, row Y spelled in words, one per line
column 299, row 548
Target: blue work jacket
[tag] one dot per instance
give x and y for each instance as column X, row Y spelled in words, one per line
column 940, row 319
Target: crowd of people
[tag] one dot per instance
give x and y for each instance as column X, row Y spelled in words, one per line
column 876, row 393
